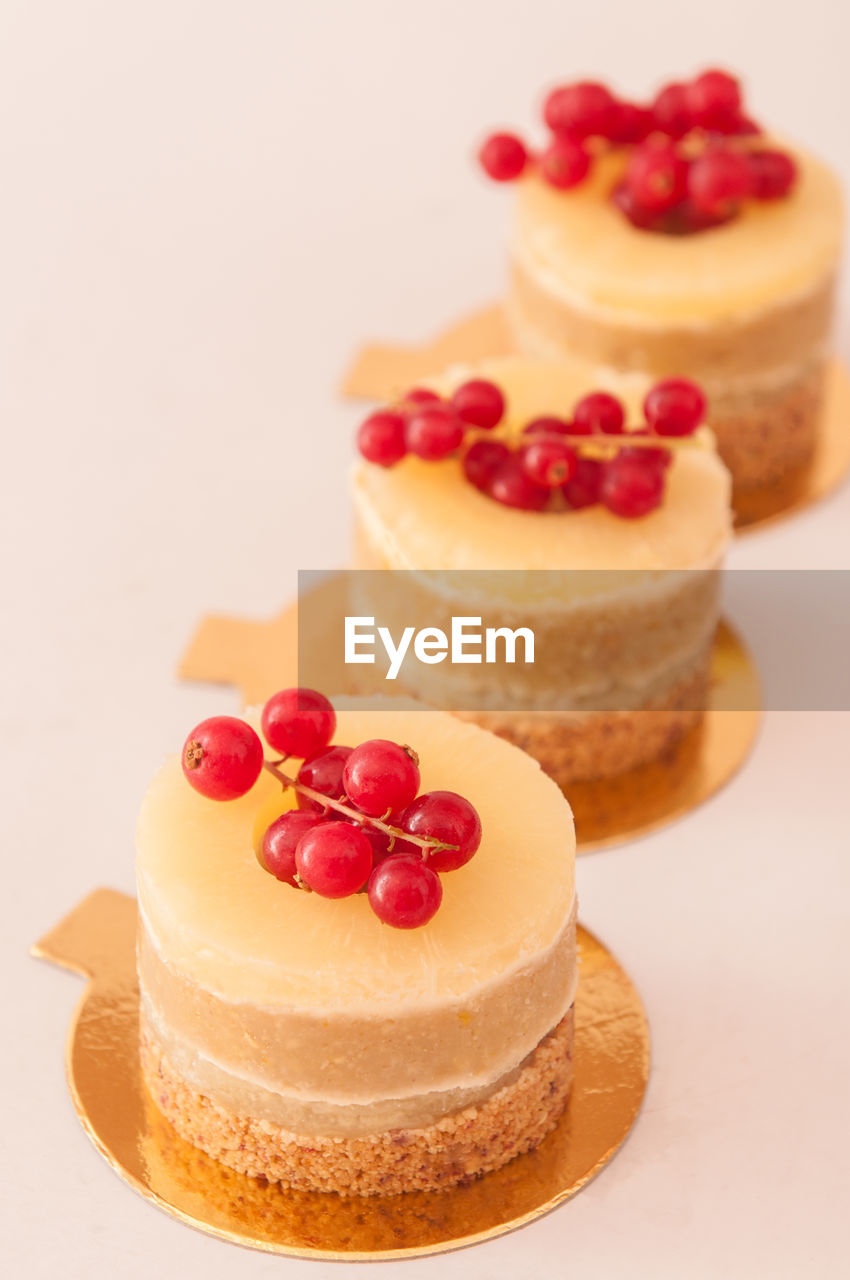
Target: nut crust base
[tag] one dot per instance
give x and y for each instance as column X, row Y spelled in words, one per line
column 456, row 1150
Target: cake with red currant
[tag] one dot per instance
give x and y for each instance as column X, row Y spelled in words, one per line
column 678, row 238
column 597, row 521
column 356, row 953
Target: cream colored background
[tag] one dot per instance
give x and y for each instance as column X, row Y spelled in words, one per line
column 205, row 207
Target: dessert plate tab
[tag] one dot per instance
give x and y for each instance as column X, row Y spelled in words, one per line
column 611, row 1070
column 262, row 657
column 382, row 371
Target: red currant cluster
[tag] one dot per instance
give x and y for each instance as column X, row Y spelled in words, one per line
column 360, row 825
column 557, row 463
column 692, row 161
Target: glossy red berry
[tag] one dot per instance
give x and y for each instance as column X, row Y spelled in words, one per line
column 674, row 407
column 479, row 403
column 511, row 486
column 334, row 859
column 448, row 818
column 503, row 156
column 433, row 432
column 380, row 438
column 548, row 461
column 298, row 722
column 582, row 110
column 718, row 181
column 404, row 892
column 584, row 487
column 714, row 101
column 323, row 772
column 420, row 395
column 650, row 456
column 772, row 174
column 671, row 112
column 631, row 124
column 564, row 163
column 482, row 459
column 599, row 411
column 222, row 758
column 644, row 219
column 381, row 776
column 657, row 177
column 547, row 426
column 281, row 840
column 631, row 488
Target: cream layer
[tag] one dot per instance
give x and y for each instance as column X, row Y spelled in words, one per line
column 314, row 1117
column 604, row 640
column 338, row 1059
column 590, row 257
column 729, row 361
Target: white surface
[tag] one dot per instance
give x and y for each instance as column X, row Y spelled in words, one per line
column 206, row 206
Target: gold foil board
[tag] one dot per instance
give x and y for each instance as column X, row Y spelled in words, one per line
column 261, row 657
column 611, row 1052
column 382, row 371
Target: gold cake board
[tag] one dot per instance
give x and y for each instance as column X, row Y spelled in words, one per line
column 381, row 371
column 262, row 657
column 611, row 1054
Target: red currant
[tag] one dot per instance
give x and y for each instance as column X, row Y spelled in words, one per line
column 334, row 859
column 420, row 395
column 657, row 177
column 671, row 112
column 381, row 777
column 599, row 411
column 433, row 432
column 547, row 426
column 449, row 818
column 644, row 219
column 281, row 840
column 381, row 438
column 564, row 163
column 582, row 110
column 772, row 174
column 631, row 488
column 548, row 461
column 298, row 722
column 404, row 892
column 674, row 407
column 222, row 758
column 380, row 842
column 323, row 772
column 584, row 488
column 482, row 459
column 511, row 486
column 714, row 101
column 503, row 156
column 632, row 124
column 656, row 457
column 718, row 181
column 480, row 403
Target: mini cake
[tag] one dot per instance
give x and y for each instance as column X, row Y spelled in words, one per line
column 624, row 675
column 685, row 242
column 366, row 1043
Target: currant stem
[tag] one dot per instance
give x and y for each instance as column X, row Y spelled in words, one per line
column 363, row 819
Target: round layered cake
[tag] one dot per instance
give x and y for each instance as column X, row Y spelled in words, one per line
column 624, row 611
column 296, row 1038
column 745, row 307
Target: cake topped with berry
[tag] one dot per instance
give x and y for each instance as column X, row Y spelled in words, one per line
column 679, row 238
column 340, row 955
column 518, row 464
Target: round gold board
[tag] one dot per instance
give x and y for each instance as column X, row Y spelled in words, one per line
column 611, row 1052
column 261, row 657
column 381, row 371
